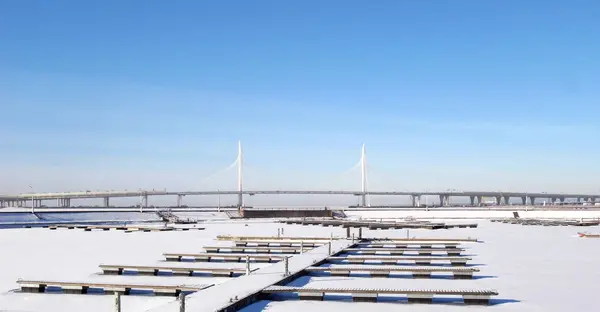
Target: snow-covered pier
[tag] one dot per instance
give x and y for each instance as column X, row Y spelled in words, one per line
column 224, row 297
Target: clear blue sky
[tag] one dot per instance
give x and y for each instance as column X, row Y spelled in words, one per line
column 446, row 94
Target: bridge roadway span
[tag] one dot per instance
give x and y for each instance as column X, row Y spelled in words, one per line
column 244, row 288
column 475, row 196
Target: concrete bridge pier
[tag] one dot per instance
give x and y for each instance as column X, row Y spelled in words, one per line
column 553, row 200
column 63, row 202
column 179, row 200
column 498, row 200
column 532, row 200
column 472, row 198
column 444, row 200
column 479, row 200
column 145, row 200
column 507, row 200
column 416, row 200
column 106, row 201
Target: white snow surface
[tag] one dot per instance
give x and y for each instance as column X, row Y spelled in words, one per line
column 534, row 268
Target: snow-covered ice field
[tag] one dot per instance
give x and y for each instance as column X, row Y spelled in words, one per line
column 533, row 268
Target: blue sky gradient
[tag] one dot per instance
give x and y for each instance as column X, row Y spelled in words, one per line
column 155, row 94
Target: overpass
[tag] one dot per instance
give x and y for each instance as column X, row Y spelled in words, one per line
column 476, row 197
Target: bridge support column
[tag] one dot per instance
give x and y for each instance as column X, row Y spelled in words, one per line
column 241, row 200
column 145, row 200
column 553, row 200
column 107, row 201
column 442, row 200
column 472, row 198
column 507, row 200
column 179, row 199
column 416, row 200
column 524, row 200
column 479, row 200
column 498, row 200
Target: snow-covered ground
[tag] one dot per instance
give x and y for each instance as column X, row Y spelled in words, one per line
column 534, row 268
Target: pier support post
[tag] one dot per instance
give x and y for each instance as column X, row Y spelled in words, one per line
column 524, row 200
column 181, row 302
column 302, row 246
column 117, row 301
column 359, row 233
column 498, row 200
column 286, row 268
column 107, row 201
column 507, row 200
column 179, row 199
column 247, row 265
column 479, row 200
column 472, row 198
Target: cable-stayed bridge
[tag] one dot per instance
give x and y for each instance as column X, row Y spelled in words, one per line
column 34, row 200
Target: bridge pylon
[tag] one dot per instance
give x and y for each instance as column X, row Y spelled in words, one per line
column 240, row 176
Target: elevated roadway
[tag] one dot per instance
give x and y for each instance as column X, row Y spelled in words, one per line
column 476, row 197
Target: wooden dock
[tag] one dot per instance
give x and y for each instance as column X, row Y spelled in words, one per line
column 298, row 239
column 224, row 257
column 109, row 269
column 256, row 249
column 107, row 288
column 394, row 260
column 325, row 239
column 278, row 243
column 375, row 225
column 404, row 251
column 476, row 297
column 246, row 289
column 126, row 228
column 547, row 222
column 385, row 271
column 408, row 244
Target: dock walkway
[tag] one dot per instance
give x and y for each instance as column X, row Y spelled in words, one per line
column 226, row 296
